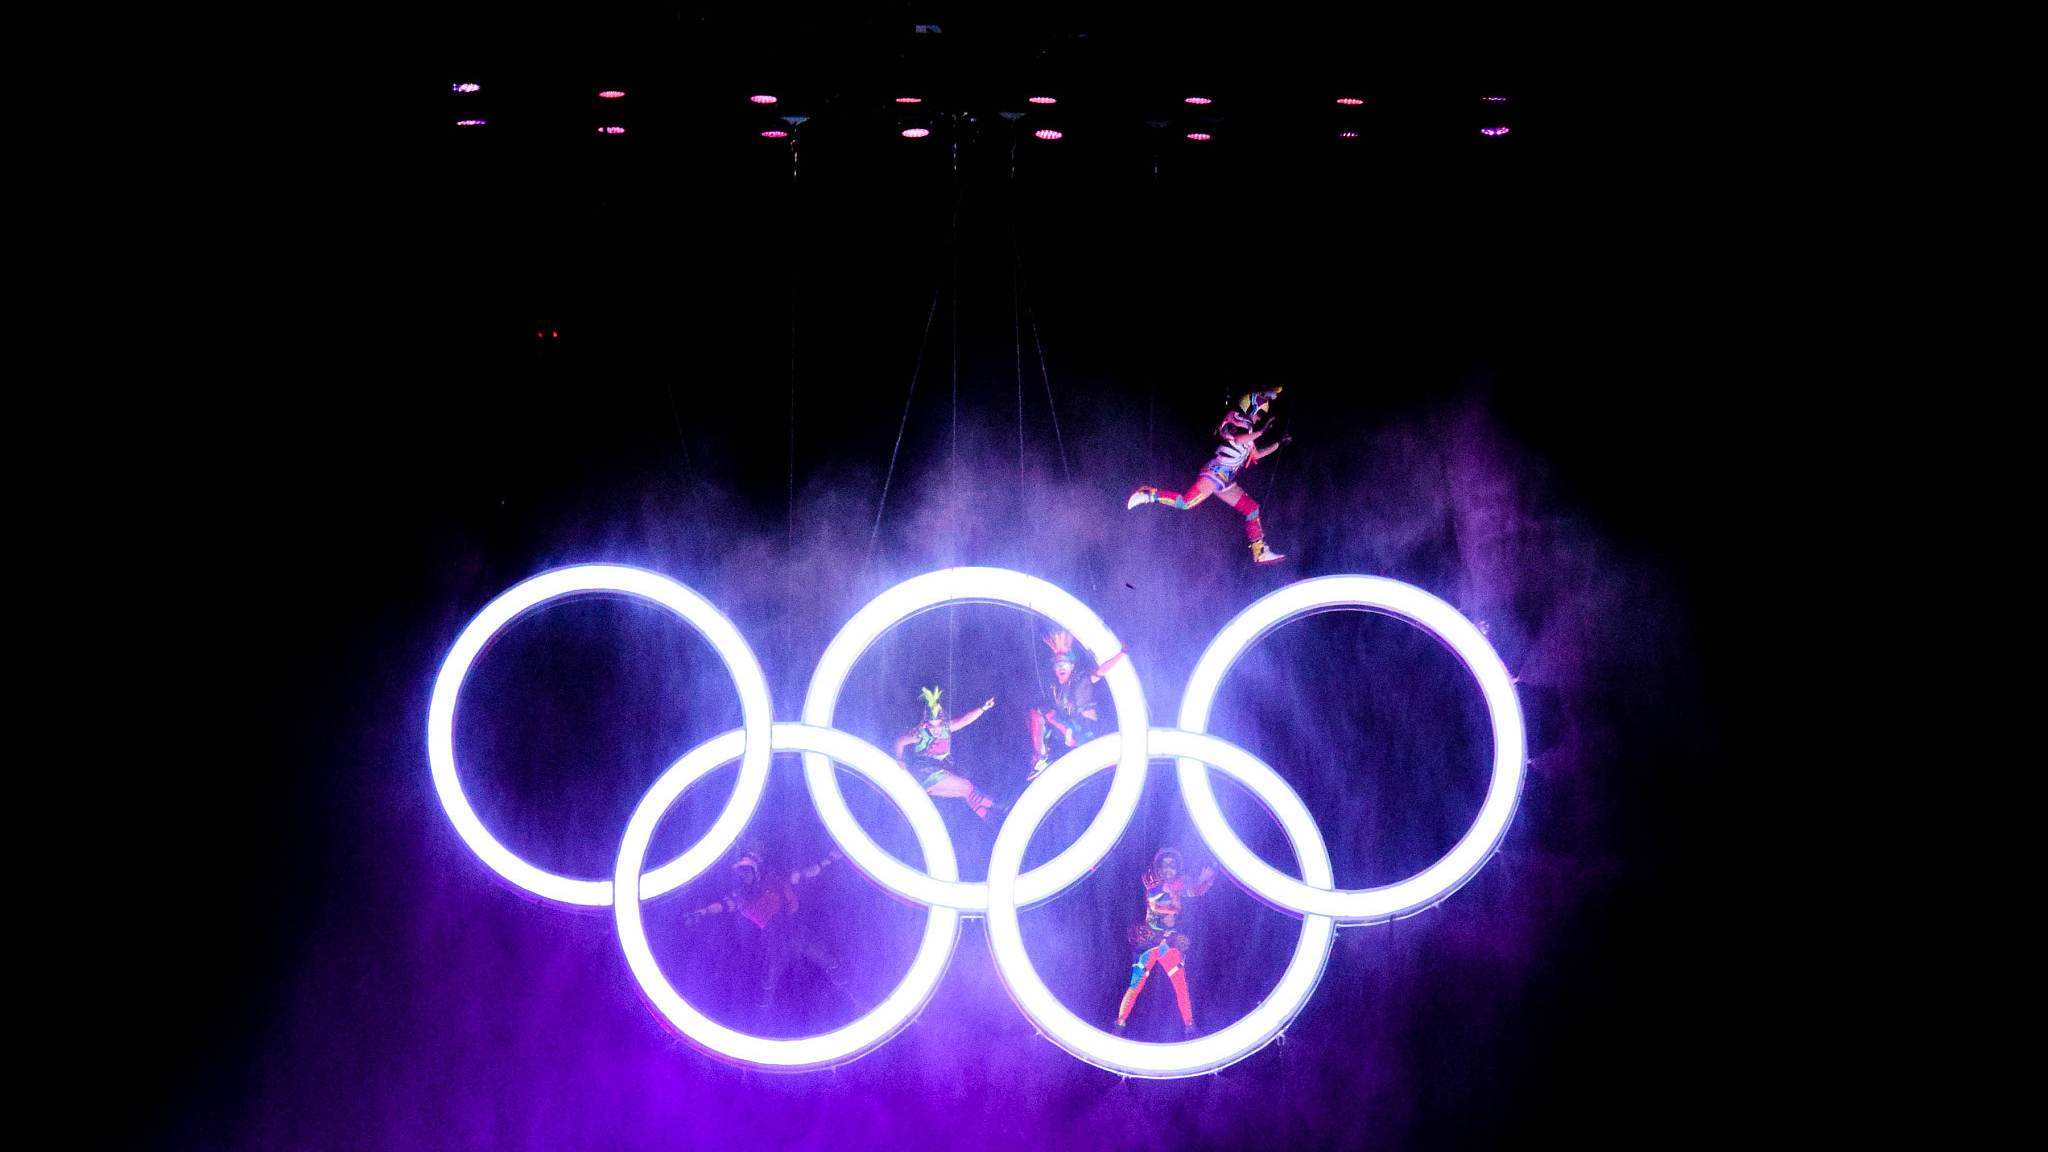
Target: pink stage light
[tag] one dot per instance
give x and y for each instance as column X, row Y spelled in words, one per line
column 916, row 133
column 1495, row 99
column 1501, row 130
column 1048, row 133
column 611, row 130
column 465, row 87
column 1349, row 101
column 1347, row 135
column 1198, row 136
column 469, row 123
column 1043, row 100
column 774, row 134
column 762, row 99
column 910, row 99
column 1198, row 100
column 610, row 94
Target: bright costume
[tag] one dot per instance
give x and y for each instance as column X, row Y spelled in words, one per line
column 930, row 747
column 1240, row 431
column 1158, row 938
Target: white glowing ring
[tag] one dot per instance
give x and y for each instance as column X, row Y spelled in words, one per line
column 988, row 585
column 1510, row 749
column 756, row 714
column 1116, row 1053
column 941, row 929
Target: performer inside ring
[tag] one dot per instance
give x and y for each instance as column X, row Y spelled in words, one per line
column 931, row 746
column 1240, row 431
column 769, row 902
column 1073, row 716
column 1158, row 938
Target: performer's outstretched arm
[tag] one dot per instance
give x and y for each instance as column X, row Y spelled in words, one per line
column 960, row 722
column 811, row 873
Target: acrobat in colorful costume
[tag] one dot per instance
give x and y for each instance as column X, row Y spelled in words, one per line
column 1240, row 431
column 1072, row 715
column 770, row 903
column 931, row 745
column 1158, row 938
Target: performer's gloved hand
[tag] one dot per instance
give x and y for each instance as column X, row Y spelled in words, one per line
column 991, row 703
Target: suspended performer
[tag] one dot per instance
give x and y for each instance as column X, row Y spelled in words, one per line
column 930, row 745
column 1158, row 938
column 1072, row 714
column 769, row 902
column 1240, row 431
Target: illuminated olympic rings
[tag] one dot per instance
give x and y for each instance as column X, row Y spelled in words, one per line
column 1009, row 889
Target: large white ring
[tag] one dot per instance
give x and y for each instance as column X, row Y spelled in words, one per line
column 941, row 928
column 756, row 713
column 987, row 585
column 1116, row 1053
column 1510, row 749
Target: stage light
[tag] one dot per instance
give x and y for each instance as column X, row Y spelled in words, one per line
column 1048, row 133
column 610, row 94
column 774, row 134
column 1059, row 1024
column 1349, row 101
column 1198, row 100
column 1198, row 136
column 611, row 130
column 465, row 88
column 910, row 100
column 1500, row 130
column 933, row 590
column 756, row 715
column 916, row 133
column 1504, row 714
column 904, row 1002
column 1043, row 100
column 1495, row 99
column 1347, row 135
column 469, row 123
column 762, row 99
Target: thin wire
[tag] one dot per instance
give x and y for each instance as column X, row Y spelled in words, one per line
column 953, row 241
column 1049, row 405
column 789, row 516
column 903, row 424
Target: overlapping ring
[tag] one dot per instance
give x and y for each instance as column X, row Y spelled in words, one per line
column 1008, row 889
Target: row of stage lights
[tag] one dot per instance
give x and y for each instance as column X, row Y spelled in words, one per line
column 917, row 133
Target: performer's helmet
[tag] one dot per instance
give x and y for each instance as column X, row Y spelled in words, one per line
column 1062, row 645
column 748, row 862
column 1163, row 855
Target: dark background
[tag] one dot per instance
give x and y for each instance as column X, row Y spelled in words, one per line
column 1493, row 391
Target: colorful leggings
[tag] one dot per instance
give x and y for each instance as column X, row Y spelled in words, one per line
column 1169, row 958
column 1206, row 485
column 951, row 784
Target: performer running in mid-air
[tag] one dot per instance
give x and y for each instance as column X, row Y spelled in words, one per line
column 1240, row 431
column 1158, row 938
column 1072, row 714
column 931, row 746
column 770, row 904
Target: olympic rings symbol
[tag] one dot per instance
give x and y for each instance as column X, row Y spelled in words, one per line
column 1009, row 889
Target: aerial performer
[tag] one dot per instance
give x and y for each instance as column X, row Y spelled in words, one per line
column 930, row 745
column 1072, row 716
column 769, row 902
column 1240, row 431
column 1158, row 937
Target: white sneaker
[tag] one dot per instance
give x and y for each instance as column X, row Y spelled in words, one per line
column 1145, row 495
